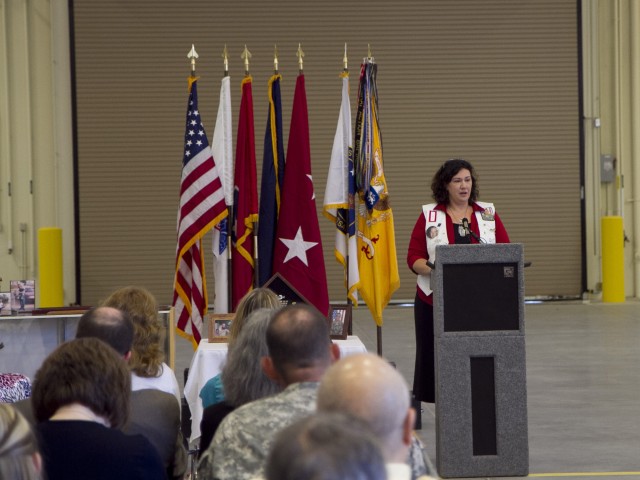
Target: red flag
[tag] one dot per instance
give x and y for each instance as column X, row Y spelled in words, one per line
column 245, row 211
column 201, row 207
column 298, row 253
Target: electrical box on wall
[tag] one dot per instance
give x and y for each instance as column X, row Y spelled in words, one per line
column 607, row 168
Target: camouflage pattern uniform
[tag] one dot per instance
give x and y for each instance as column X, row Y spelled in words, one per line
column 417, row 459
column 241, row 444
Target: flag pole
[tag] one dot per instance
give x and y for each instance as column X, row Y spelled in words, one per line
column 246, row 55
column 275, row 59
column 378, row 327
column 225, row 59
column 192, row 55
column 345, row 71
column 300, row 55
column 225, row 73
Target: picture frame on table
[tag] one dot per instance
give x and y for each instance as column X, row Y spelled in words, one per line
column 5, row 303
column 219, row 326
column 339, row 321
column 23, row 296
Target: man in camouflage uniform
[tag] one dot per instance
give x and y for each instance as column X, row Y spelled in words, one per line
column 300, row 350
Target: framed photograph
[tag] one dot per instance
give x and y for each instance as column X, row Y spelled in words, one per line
column 5, row 303
column 219, row 326
column 23, row 296
column 340, row 319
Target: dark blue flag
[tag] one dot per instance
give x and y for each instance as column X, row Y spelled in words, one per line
column 272, row 180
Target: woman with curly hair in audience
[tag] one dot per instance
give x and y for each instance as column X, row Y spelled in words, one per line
column 148, row 369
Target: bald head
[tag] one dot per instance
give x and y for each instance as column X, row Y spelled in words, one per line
column 300, row 347
column 111, row 325
column 368, row 387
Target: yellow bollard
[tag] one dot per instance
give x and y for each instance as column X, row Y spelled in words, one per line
column 50, row 266
column 612, row 259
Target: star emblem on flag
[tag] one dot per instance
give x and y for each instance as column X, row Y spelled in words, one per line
column 313, row 193
column 297, row 247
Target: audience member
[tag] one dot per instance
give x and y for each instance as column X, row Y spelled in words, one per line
column 255, row 299
column 367, row 387
column 147, row 355
column 154, row 413
column 213, row 391
column 325, row 446
column 242, row 376
column 81, row 399
column 19, row 457
column 111, row 325
column 300, row 350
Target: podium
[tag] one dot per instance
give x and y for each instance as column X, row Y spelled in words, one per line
column 481, row 391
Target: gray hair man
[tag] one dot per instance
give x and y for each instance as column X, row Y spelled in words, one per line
column 367, row 387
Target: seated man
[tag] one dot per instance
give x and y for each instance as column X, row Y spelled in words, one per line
column 367, row 387
column 325, row 446
column 300, row 350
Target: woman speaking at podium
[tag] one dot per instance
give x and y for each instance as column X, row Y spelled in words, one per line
column 456, row 217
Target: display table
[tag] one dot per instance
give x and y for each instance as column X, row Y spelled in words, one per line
column 208, row 360
column 29, row 339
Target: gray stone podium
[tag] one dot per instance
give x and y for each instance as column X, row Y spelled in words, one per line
column 481, row 391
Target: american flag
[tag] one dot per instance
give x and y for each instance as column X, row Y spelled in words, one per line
column 202, row 206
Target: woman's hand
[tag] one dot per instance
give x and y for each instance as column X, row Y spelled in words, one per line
column 420, row 267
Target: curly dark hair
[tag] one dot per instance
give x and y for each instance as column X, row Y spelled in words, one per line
column 443, row 177
column 139, row 303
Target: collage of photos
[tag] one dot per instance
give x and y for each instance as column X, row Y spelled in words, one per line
column 20, row 299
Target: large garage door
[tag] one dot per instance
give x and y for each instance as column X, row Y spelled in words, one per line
column 495, row 82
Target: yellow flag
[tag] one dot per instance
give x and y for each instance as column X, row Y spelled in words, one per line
column 377, row 259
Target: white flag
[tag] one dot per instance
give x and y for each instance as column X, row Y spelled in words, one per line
column 339, row 195
column 222, row 147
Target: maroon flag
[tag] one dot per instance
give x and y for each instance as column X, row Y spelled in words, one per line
column 201, row 207
column 245, row 200
column 298, row 253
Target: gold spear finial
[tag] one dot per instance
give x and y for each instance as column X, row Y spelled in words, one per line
column 344, row 59
column 300, row 55
column 225, row 59
column 192, row 55
column 369, row 56
column 275, row 59
column 246, row 55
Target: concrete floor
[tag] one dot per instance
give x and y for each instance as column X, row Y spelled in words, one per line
column 583, row 384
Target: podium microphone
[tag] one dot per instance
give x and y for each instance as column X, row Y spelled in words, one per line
column 465, row 225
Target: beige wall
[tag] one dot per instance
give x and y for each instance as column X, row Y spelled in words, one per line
column 36, row 155
column 612, row 93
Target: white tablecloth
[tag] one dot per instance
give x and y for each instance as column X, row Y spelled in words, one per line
column 207, row 363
